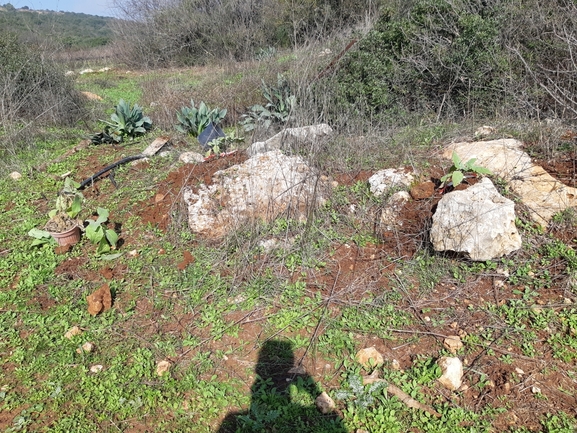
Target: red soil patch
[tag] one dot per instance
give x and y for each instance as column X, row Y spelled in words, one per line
column 157, row 212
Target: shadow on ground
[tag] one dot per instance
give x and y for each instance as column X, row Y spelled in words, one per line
column 281, row 400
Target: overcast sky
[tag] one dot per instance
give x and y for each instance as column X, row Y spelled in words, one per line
column 92, row 7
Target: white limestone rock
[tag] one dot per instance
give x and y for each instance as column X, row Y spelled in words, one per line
column 383, row 180
column 478, row 221
column 543, row 195
column 191, row 158
column 452, row 377
column 306, row 135
column 392, row 208
column 261, row 188
column 325, row 404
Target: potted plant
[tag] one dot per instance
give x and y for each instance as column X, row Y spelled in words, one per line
column 63, row 224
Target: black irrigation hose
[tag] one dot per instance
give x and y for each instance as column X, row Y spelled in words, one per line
column 110, row 167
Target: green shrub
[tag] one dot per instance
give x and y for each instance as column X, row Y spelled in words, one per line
column 452, row 59
column 33, row 88
column 441, row 57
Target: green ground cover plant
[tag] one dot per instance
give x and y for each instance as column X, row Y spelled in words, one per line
column 249, row 334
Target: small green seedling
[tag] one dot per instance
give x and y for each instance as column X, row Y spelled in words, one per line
column 222, row 145
column 41, row 237
column 97, row 232
column 360, row 395
column 459, row 170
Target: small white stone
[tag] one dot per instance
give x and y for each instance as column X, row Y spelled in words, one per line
column 536, row 390
column 395, row 365
column 162, row 367
column 519, row 371
column 96, row 368
column 383, row 180
column 452, row 369
column 453, row 343
column 324, row 403
column 15, row 175
column 86, row 347
column 369, row 357
column 75, row 330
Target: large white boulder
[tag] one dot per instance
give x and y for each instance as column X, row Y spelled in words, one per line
column 478, row 221
column 543, row 195
column 261, row 188
column 287, row 138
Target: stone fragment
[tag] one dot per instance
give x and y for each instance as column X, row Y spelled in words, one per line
column 91, row 96
column 75, row 330
column 15, row 175
column 453, row 343
column 325, row 404
column 484, row 131
column 478, row 221
column 88, row 346
column 452, row 369
column 261, row 188
column 292, row 138
column 423, row 190
column 392, row 208
column 100, row 300
column 543, row 195
column 162, row 367
column 369, row 357
column 191, row 158
column 383, row 180
column 96, row 368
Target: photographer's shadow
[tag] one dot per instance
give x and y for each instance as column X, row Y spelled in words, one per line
column 281, row 399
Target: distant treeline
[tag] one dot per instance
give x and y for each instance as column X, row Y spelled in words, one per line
column 68, row 30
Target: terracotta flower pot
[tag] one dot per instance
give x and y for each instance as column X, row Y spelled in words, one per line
column 69, row 237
